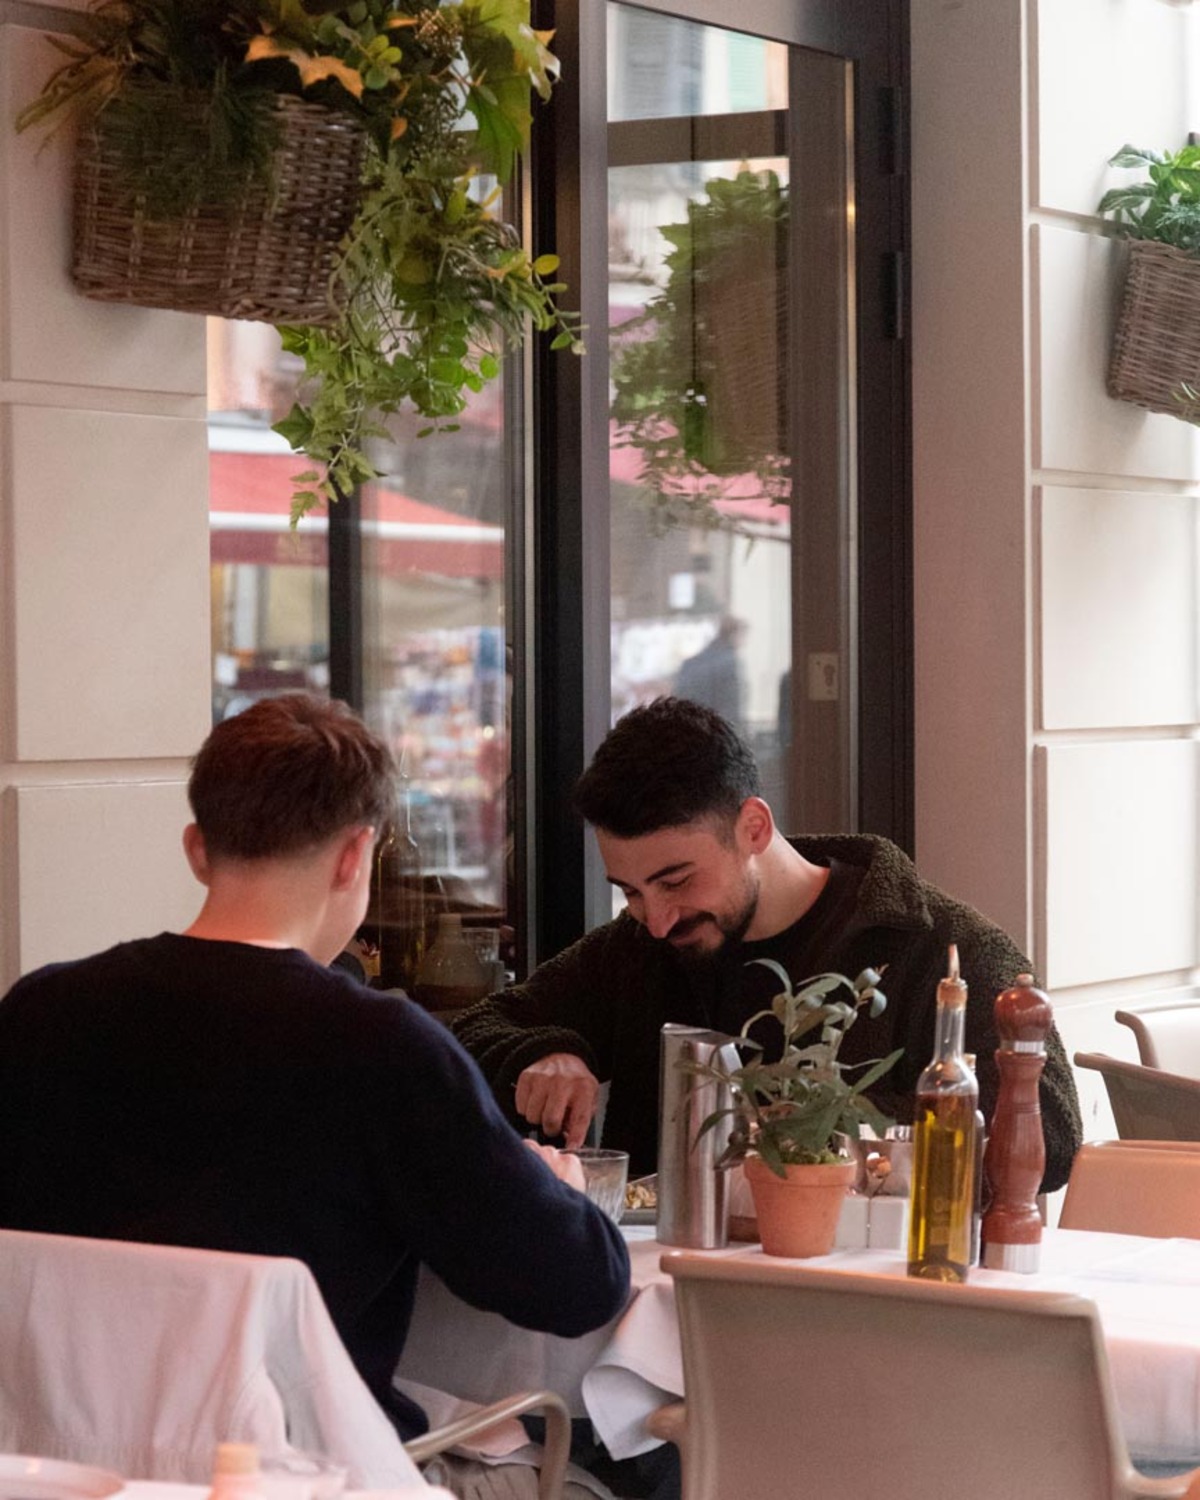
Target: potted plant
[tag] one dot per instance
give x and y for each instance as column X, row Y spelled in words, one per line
column 1155, row 359
column 788, row 1114
column 698, row 384
column 186, row 106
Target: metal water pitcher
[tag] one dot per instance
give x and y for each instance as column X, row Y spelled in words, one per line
column 693, row 1205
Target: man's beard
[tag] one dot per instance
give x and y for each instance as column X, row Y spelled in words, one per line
column 732, row 929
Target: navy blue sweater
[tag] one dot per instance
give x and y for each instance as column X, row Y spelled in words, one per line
column 191, row 1092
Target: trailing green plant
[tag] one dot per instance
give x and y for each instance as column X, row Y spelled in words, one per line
column 671, row 388
column 789, row 1111
column 431, row 286
column 1166, row 206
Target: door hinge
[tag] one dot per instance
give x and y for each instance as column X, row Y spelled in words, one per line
column 891, row 130
column 894, row 309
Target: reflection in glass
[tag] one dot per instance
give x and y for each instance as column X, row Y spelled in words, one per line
column 436, row 671
column 698, row 326
column 270, row 591
column 731, row 461
column 437, row 678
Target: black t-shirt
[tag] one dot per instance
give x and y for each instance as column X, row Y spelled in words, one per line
column 738, row 986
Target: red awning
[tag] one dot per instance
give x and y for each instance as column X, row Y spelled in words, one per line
column 742, row 499
column 249, row 499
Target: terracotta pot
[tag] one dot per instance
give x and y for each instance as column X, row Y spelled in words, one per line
column 798, row 1214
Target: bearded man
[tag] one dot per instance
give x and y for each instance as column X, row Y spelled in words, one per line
column 711, row 885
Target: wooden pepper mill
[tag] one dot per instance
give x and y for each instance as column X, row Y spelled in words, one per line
column 1015, row 1160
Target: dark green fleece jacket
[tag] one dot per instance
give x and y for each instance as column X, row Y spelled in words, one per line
column 606, row 997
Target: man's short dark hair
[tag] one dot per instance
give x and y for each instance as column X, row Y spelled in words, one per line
column 287, row 774
column 664, row 764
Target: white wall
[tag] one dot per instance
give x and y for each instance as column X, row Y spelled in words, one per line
column 104, row 642
column 1056, row 530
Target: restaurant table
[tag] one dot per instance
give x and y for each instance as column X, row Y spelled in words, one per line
column 162, row 1489
column 1147, row 1293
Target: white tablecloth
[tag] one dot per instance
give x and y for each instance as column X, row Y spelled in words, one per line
column 1147, row 1293
column 154, row 1489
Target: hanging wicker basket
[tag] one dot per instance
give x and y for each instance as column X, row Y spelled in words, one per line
column 1156, row 346
column 741, row 319
column 265, row 252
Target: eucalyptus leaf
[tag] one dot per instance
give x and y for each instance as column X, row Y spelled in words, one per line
column 789, row 1110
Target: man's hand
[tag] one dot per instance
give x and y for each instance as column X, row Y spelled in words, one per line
column 558, row 1094
column 566, row 1168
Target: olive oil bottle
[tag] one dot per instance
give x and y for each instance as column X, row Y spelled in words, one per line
column 945, row 1146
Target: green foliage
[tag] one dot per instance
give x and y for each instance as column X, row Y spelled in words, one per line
column 1166, row 206
column 433, row 290
column 666, row 369
column 430, row 287
column 789, row 1111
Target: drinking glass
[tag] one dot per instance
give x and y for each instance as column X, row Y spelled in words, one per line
column 604, row 1176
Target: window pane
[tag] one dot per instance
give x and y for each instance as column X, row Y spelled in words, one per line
column 269, row 586
column 436, row 681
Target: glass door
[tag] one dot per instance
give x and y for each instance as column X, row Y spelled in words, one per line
column 731, row 356
column 728, row 476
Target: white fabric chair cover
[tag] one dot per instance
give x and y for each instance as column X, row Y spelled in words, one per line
column 141, row 1358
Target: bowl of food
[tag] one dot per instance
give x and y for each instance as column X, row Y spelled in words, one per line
column 641, row 1201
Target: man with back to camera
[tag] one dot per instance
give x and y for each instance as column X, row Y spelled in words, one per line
column 711, row 884
column 224, row 1088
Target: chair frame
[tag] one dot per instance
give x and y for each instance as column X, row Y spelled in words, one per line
column 1140, row 1023
column 556, row 1448
column 1147, row 1103
column 712, row 1426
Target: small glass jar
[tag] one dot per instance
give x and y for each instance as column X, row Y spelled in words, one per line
column 451, row 975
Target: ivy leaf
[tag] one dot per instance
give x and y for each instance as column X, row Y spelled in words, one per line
column 311, row 69
column 296, row 427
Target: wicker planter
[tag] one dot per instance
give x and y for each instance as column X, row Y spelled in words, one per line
column 741, row 331
column 266, row 252
column 1156, row 346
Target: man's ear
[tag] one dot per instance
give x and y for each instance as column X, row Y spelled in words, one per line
column 197, row 854
column 755, row 825
column 355, row 848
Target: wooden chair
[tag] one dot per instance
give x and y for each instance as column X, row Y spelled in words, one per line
column 1147, row 1104
column 1168, row 1036
column 141, row 1358
column 821, row 1383
column 1135, row 1187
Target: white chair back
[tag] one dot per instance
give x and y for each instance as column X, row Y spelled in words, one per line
column 818, row 1383
column 141, row 1358
column 1168, row 1036
column 1135, row 1187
